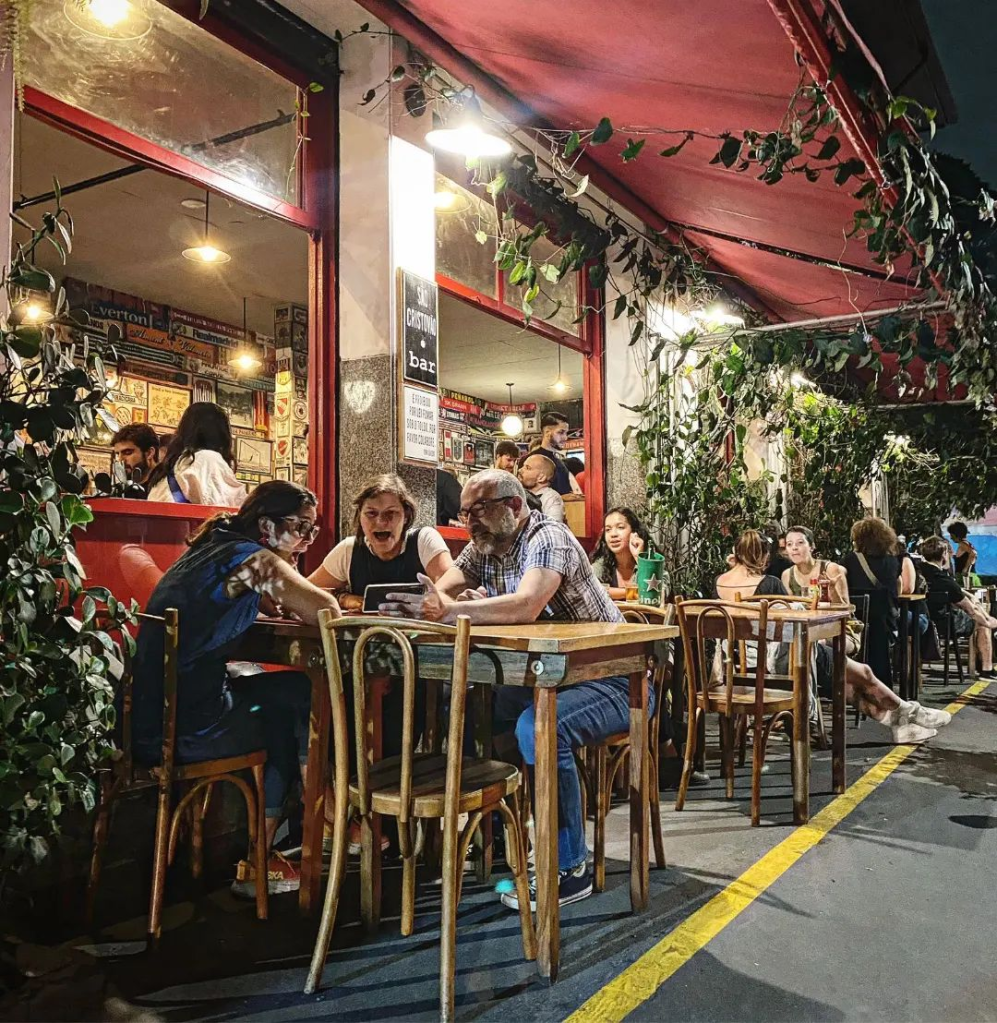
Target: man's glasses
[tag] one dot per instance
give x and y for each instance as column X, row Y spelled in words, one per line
column 305, row 529
column 476, row 510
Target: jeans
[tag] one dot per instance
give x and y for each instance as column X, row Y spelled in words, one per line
column 266, row 711
column 586, row 713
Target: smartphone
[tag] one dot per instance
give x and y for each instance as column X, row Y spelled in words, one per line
column 377, row 593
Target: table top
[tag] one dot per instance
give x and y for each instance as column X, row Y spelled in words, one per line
column 537, row 637
column 912, row 596
column 815, row 616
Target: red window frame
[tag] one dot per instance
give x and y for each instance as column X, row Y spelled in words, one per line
column 318, row 165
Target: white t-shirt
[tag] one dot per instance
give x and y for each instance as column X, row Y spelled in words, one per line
column 205, row 478
column 337, row 561
column 551, row 503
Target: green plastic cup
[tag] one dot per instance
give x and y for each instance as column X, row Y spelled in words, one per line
column 650, row 568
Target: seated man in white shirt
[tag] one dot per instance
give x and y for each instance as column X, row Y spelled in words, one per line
column 536, row 474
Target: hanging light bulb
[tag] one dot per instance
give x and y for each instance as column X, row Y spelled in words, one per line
column 245, row 359
column 206, row 252
column 512, row 424
column 116, row 20
column 30, row 311
column 560, row 385
column 464, row 133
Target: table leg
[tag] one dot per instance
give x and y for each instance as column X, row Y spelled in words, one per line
column 801, row 727
column 314, row 796
column 545, row 809
column 639, row 852
column 838, row 768
column 915, row 656
column 905, row 681
column 481, row 698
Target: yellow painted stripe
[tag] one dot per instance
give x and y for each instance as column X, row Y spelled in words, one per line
column 638, row 982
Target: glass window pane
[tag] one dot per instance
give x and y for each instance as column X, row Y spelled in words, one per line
column 145, row 69
column 564, row 291
column 459, row 255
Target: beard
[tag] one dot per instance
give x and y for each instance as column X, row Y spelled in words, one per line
column 488, row 539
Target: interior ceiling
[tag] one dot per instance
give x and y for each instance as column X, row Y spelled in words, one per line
column 480, row 354
column 711, row 66
column 130, row 233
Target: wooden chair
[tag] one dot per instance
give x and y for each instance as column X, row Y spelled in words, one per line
column 125, row 777
column 742, row 693
column 413, row 786
column 610, row 755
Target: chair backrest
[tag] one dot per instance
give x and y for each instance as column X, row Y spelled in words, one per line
column 860, row 601
column 658, row 669
column 401, row 635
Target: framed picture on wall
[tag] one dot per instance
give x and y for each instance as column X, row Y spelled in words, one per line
column 167, row 404
column 253, row 454
column 237, row 402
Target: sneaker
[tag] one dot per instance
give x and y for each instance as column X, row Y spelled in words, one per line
column 698, row 780
column 353, row 847
column 910, row 734
column 928, row 717
column 572, row 886
column 282, row 876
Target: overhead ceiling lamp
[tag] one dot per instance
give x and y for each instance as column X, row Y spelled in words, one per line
column 447, row 201
column 245, row 359
column 116, row 20
column 30, row 310
column 560, row 385
column 512, row 424
column 717, row 316
column 464, row 132
column 206, row 252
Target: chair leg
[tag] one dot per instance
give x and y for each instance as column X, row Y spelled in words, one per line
column 514, row 841
column 406, row 841
column 601, row 807
column 757, row 760
column 370, row 875
column 452, row 870
column 742, row 739
column 947, row 644
column 198, row 810
column 654, row 805
column 159, row 861
column 101, row 827
column 258, row 837
column 727, row 752
column 688, row 758
column 585, row 782
column 337, row 870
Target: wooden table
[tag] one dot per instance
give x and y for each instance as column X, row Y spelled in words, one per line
column 801, row 628
column 543, row 657
column 910, row 668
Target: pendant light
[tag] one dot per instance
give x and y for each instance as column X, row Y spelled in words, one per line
column 118, row 21
column 560, row 385
column 245, row 359
column 206, row 252
column 512, row 424
column 465, row 134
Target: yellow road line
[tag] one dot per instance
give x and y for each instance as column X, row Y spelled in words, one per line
column 638, row 982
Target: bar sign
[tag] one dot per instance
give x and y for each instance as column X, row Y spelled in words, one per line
column 420, row 330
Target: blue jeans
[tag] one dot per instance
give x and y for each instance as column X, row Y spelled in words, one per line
column 586, row 713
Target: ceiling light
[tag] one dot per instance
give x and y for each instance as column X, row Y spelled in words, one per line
column 192, row 204
column 717, row 316
column 446, row 201
column 560, row 385
column 115, row 20
column 512, row 424
column 30, row 311
column 464, row 133
column 206, row 252
column 245, row 359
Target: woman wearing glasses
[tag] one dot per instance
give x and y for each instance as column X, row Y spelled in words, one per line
column 237, row 566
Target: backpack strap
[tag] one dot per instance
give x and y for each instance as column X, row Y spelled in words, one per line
column 870, row 575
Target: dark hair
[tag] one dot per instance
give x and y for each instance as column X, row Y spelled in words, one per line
column 574, row 465
column 933, row 549
column 958, row 531
column 804, row 530
column 752, row 550
column 507, row 447
column 275, row 499
column 387, row 483
column 552, row 419
column 203, row 427
column 166, row 439
column 874, row 537
column 604, row 555
column 142, row 435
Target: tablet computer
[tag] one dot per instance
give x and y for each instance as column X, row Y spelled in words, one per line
column 377, row 593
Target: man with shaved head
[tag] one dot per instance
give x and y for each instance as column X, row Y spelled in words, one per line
column 519, row 567
column 536, row 474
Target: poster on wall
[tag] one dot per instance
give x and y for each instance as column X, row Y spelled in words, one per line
column 167, row 405
column 417, row 426
column 253, row 454
column 419, row 330
column 237, row 402
column 204, row 389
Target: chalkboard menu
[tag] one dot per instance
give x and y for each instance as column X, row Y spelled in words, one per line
column 420, row 330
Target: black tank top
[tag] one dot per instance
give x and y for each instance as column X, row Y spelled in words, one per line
column 366, row 568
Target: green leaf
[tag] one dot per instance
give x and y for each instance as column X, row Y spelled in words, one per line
column 729, row 151
column 481, row 237
column 550, row 272
column 368, row 96
column 830, row 148
column 675, row 150
column 583, row 184
column 620, row 308
column 316, row 87
column 54, row 519
column 632, row 150
column 603, row 132
column 571, row 146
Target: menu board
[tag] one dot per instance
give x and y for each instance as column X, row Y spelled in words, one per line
column 417, row 425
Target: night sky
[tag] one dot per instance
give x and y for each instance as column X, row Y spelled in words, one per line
column 965, row 35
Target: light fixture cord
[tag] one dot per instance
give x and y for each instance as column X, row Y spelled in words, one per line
column 207, row 199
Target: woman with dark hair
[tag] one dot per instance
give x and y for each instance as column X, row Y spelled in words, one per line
column 614, row 560
column 237, row 565
column 199, row 463
column 965, row 552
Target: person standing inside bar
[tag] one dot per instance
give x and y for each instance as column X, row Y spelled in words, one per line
column 536, row 474
column 506, row 455
column 199, row 464
column 555, row 436
column 136, row 446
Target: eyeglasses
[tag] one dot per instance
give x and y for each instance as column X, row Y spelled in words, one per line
column 305, row 529
column 478, row 508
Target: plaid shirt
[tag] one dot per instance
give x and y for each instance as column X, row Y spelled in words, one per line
column 543, row 543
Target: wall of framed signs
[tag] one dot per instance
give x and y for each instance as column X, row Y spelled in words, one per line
column 166, row 358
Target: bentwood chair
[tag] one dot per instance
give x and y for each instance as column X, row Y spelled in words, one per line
column 599, row 777
column 414, row 786
column 125, row 776
column 742, row 692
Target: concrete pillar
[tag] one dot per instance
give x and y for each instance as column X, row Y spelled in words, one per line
column 6, row 160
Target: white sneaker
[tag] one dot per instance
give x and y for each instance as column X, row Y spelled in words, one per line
column 928, row 717
column 911, row 734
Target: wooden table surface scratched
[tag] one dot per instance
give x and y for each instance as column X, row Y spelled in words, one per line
column 566, row 653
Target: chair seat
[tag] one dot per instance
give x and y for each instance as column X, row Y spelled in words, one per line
column 482, row 783
column 743, row 699
column 207, row 768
